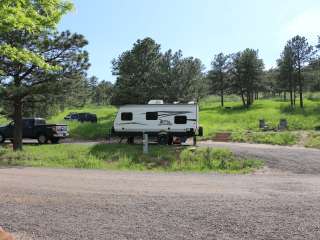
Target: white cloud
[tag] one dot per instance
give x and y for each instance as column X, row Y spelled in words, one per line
column 306, row 24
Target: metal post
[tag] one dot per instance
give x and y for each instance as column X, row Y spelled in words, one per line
column 145, row 143
column 194, row 141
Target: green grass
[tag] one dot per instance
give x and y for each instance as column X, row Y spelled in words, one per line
column 313, row 140
column 238, row 119
column 128, row 157
column 216, row 119
column 3, row 120
column 234, row 118
column 276, row 138
column 89, row 131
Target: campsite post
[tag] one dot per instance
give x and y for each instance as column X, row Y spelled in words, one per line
column 145, row 143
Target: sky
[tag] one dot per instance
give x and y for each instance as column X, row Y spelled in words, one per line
column 200, row 28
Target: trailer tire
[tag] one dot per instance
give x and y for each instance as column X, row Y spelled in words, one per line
column 170, row 140
column 163, row 139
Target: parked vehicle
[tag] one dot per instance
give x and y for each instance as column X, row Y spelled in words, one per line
column 164, row 121
column 36, row 128
column 82, row 117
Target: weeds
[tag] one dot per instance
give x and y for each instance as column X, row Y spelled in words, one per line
column 276, row 138
column 124, row 157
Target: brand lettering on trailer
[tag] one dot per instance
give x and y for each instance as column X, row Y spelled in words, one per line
column 165, row 122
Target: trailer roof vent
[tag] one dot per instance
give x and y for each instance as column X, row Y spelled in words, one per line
column 155, row 102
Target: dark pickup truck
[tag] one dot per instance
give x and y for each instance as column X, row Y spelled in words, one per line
column 82, row 117
column 36, row 128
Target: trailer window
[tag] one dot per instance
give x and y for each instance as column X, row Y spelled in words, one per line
column 126, row 116
column 180, row 119
column 152, row 115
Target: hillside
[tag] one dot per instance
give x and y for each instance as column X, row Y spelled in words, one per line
column 233, row 118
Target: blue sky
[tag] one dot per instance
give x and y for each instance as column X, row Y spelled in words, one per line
column 200, row 28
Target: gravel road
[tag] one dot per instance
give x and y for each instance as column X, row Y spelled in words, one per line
column 87, row 204
column 280, row 201
column 291, row 159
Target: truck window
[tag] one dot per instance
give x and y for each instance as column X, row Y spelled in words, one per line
column 152, row 116
column 180, row 119
column 27, row 123
column 126, row 116
column 38, row 122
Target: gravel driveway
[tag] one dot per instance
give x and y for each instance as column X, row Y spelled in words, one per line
column 280, row 201
column 84, row 204
column 291, row 159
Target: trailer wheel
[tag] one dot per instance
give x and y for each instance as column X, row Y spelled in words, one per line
column 170, row 140
column 163, row 139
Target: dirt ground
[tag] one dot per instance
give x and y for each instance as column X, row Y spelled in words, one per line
column 280, row 201
column 88, row 204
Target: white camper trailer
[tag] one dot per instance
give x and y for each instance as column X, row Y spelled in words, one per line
column 164, row 121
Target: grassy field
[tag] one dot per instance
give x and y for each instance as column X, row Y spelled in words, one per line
column 128, row 157
column 243, row 123
column 89, row 131
column 238, row 119
column 215, row 119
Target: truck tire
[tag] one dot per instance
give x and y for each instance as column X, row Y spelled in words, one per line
column 55, row 140
column 2, row 138
column 42, row 139
column 163, row 139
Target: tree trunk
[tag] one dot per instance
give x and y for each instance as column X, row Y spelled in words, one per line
column 301, row 97
column 300, row 87
column 291, row 90
column 222, row 98
column 17, row 131
column 248, row 99
column 243, row 100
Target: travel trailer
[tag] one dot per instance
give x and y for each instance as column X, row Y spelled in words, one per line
column 166, row 122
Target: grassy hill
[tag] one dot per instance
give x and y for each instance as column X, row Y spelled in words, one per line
column 89, row 131
column 233, row 118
